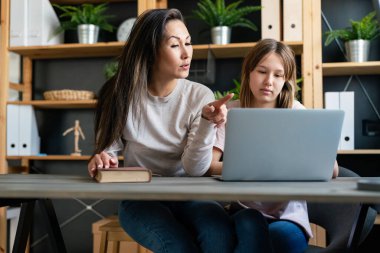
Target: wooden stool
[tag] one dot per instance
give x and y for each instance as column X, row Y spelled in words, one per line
column 111, row 232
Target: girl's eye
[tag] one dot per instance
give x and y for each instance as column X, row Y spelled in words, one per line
column 188, row 43
column 261, row 71
column 173, row 46
column 280, row 76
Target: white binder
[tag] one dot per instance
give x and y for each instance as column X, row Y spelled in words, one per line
column 348, row 129
column 332, row 100
column 29, row 140
column 42, row 22
column 22, row 131
column 292, row 20
column 33, row 23
column 270, row 19
column 12, row 130
column 18, row 23
column 344, row 101
column 14, row 67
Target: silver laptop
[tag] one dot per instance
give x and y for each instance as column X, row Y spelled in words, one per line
column 281, row 144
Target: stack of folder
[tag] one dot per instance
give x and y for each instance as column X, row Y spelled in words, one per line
column 33, row 23
column 343, row 101
column 282, row 20
column 22, row 132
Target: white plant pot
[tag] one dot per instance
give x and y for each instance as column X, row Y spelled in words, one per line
column 88, row 33
column 357, row 50
column 221, row 35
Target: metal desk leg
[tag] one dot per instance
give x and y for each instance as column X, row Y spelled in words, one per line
column 357, row 227
column 53, row 228
column 24, row 226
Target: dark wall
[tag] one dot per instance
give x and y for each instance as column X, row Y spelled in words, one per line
column 338, row 14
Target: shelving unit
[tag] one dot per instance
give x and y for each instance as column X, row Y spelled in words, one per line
column 329, row 69
column 30, row 54
column 107, row 49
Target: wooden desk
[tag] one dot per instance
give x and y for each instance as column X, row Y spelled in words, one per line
column 341, row 190
column 32, row 188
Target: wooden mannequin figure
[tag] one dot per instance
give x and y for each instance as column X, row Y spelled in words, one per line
column 77, row 132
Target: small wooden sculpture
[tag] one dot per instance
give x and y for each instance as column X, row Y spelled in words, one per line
column 77, row 132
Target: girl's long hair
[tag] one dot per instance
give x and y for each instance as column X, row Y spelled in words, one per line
column 126, row 89
column 257, row 53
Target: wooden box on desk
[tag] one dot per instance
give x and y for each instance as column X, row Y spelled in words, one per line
column 130, row 247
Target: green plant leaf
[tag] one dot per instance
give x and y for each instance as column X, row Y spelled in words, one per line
column 367, row 29
column 235, row 90
column 216, row 13
column 72, row 16
column 110, row 69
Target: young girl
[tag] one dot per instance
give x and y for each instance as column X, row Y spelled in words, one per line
column 163, row 122
column 268, row 81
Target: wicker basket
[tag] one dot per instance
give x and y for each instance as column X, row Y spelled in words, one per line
column 69, row 95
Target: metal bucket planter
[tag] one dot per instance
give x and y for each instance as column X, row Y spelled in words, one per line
column 88, row 34
column 221, row 35
column 357, row 50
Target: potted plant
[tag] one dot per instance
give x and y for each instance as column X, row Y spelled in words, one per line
column 221, row 18
column 87, row 19
column 357, row 37
column 110, row 69
column 236, row 91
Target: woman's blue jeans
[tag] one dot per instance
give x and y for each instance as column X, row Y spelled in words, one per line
column 255, row 233
column 178, row 226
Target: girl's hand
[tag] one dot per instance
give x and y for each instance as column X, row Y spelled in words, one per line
column 102, row 160
column 335, row 170
column 216, row 111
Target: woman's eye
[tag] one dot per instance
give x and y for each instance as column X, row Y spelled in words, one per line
column 174, row 46
column 188, row 44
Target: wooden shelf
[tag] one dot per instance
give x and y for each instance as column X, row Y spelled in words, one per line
column 50, row 157
column 55, row 157
column 234, row 50
column 351, row 68
column 73, row 50
column 61, row 104
column 360, row 152
column 109, row 49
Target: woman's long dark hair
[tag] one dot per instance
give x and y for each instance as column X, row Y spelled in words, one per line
column 130, row 83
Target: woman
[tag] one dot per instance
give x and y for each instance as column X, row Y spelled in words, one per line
column 161, row 121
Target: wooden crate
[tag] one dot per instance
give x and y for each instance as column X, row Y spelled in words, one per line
column 125, row 247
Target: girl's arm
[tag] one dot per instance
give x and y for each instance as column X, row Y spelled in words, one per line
column 216, row 164
column 336, row 170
